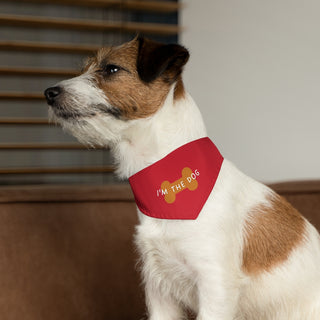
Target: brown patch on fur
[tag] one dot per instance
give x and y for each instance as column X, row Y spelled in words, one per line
column 179, row 92
column 271, row 233
column 125, row 90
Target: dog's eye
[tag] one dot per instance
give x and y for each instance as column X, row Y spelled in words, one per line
column 110, row 69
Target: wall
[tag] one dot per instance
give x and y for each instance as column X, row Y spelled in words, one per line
column 255, row 74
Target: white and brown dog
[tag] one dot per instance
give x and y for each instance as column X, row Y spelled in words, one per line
column 249, row 254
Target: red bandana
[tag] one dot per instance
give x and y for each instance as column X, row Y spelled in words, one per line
column 178, row 186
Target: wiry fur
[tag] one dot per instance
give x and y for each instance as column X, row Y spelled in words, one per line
column 199, row 264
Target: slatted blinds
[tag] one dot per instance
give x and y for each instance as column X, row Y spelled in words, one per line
column 43, row 42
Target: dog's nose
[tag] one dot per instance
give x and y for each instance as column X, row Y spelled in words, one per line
column 51, row 94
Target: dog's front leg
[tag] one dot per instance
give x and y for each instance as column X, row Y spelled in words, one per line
column 160, row 306
column 215, row 309
column 217, row 295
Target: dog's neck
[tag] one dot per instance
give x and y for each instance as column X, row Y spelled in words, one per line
column 148, row 140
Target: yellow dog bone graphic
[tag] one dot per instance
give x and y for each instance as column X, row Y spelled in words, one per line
column 186, row 181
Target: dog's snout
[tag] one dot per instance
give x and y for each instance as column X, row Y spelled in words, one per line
column 51, row 94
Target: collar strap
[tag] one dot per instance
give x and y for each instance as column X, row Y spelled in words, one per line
column 178, row 185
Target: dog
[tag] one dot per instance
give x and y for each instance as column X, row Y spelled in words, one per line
column 247, row 254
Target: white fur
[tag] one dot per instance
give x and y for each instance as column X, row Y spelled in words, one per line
column 82, row 95
column 197, row 264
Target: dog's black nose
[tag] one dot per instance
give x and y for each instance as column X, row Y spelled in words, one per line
column 51, row 94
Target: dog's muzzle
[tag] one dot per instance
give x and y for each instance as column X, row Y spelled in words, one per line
column 52, row 94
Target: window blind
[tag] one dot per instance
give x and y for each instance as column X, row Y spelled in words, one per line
column 43, row 42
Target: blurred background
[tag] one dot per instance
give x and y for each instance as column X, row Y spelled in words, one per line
column 43, row 42
column 255, row 74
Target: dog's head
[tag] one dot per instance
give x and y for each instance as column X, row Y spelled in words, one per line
column 118, row 85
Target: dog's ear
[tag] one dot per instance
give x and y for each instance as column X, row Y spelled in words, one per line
column 156, row 59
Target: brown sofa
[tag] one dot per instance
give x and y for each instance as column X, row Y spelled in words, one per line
column 66, row 252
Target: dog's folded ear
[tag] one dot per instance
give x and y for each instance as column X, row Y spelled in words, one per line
column 157, row 59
